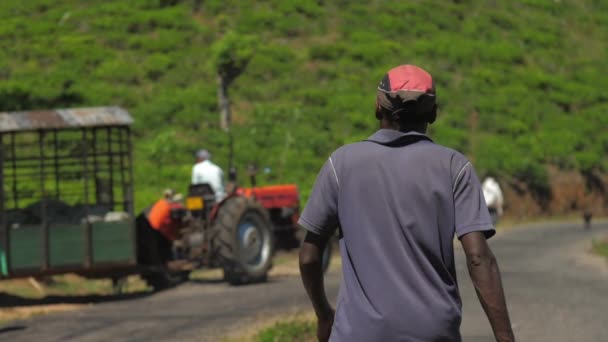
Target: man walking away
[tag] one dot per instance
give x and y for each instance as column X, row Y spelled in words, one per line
column 399, row 200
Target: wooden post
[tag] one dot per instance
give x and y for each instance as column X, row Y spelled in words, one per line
column 196, row 6
column 226, row 120
column 224, row 103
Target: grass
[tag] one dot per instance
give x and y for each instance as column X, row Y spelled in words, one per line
column 601, row 248
column 295, row 326
column 289, row 331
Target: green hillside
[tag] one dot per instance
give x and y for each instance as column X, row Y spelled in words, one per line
column 521, row 84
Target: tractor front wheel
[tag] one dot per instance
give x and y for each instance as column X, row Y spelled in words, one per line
column 242, row 240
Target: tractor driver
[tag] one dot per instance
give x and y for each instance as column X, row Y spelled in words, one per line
column 205, row 171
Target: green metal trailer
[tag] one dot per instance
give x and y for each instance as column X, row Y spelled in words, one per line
column 66, row 200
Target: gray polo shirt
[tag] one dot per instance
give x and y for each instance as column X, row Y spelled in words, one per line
column 399, row 199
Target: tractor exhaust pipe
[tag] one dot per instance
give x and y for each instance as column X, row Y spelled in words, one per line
column 252, row 171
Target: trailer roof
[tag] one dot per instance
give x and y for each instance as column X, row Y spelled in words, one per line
column 64, row 119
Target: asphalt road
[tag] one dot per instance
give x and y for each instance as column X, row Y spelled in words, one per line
column 555, row 292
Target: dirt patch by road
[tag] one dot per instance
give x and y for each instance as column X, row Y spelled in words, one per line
column 17, row 313
column 567, row 192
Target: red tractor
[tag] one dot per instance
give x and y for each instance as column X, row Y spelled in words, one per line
column 239, row 234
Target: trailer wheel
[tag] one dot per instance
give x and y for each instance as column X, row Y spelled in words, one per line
column 242, row 241
column 119, row 285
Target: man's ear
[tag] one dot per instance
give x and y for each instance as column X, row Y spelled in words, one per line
column 379, row 114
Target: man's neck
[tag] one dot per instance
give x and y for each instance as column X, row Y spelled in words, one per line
column 415, row 130
column 418, row 128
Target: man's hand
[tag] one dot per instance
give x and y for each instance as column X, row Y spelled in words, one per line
column 485, row 275
column 311, row 271
column 324, row 326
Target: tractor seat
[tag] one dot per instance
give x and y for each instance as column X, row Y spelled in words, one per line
column 201, row 198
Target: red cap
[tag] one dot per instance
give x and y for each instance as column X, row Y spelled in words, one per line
column 408, row 77
column 406, row 83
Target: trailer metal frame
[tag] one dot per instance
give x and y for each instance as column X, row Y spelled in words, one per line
column 62, row 171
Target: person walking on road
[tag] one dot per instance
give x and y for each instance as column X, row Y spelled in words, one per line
column 494, row 198
column 399, row 199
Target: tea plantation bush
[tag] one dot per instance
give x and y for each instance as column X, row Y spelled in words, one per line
column 521, row 84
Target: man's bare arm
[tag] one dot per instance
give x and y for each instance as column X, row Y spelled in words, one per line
column 485, row 275
column 311, row 271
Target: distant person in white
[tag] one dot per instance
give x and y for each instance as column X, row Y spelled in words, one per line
column 204, row 171
column 493, row 195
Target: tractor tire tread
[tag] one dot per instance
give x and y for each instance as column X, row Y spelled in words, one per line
column 223, row 239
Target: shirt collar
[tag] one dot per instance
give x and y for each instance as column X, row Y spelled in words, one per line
column 386, row 136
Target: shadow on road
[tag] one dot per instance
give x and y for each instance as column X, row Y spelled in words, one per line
column 12, row 328
column 206, row 281
column 215, row 281
column 8, row 300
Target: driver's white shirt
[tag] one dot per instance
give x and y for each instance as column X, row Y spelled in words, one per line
column 207, row 172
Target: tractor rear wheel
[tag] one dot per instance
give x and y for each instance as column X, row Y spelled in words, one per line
column 242, row 240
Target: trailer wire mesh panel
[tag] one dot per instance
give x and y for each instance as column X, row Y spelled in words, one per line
column 66, row 197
